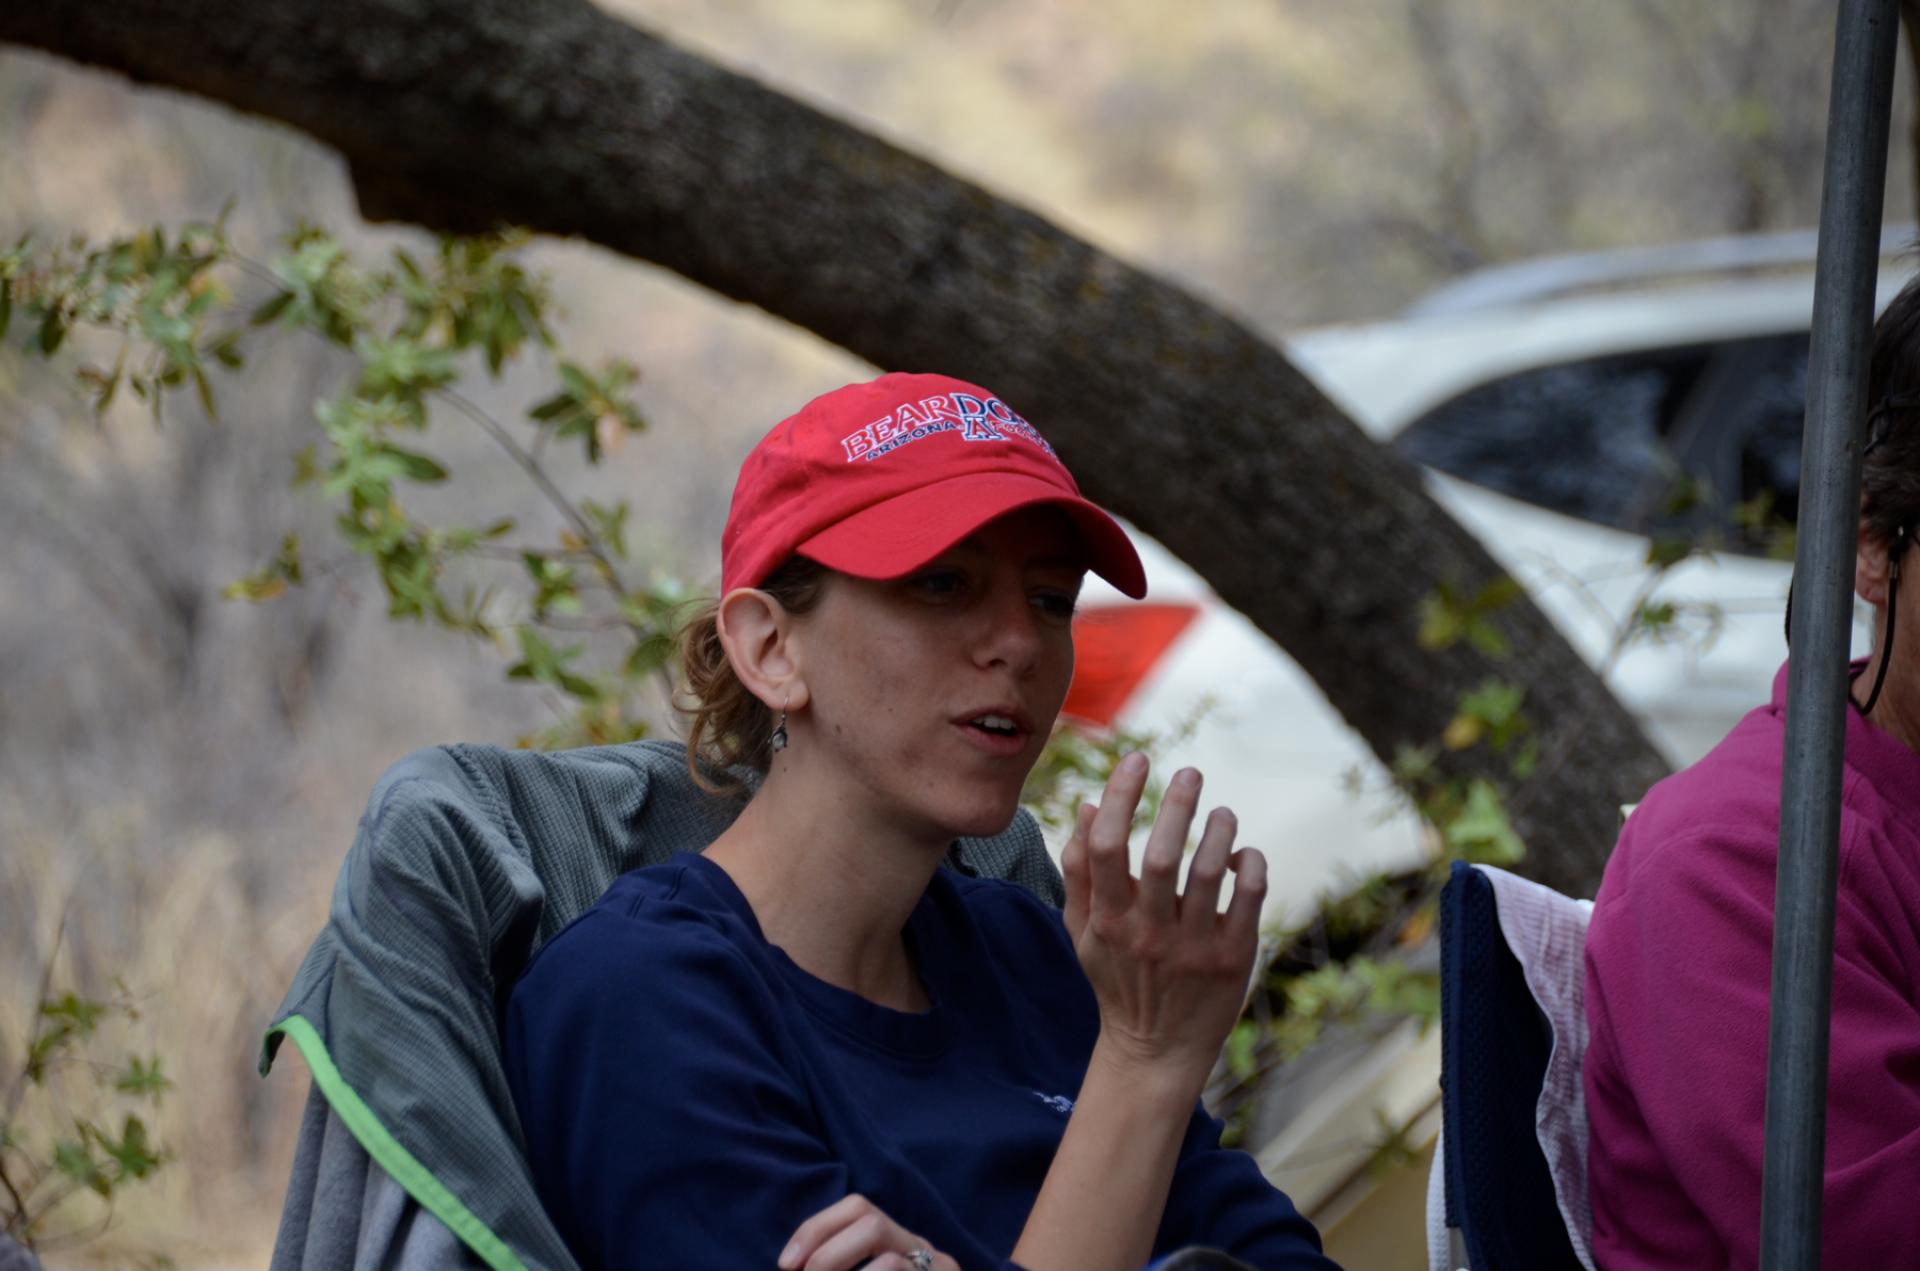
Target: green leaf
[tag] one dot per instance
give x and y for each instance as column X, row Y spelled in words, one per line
column 1688, row 493
column 271, row 310
column 409, row 574
column 579, row 384
column 1413, row 764
column 401, row 367
column 226, row 351
column 314, row 257
column 1482, row 831
column 1441, row 625
column 556, row 585
column 142, row 1078
column 1498, row 594
column 584, row 689
column 1755, row 514
column 536, row 657
column 415, row 466
column 1401, row 990
column 52, row 332
column 265, row 584
column 112, row 384
column 541, row 662
column 1487, row 638
column 83, row 1014
column 73, row 1158
column 1526, row 759
column 205, row 392
column 133, row 1152
column 1665, row 553
column 651, row 653
column 306, row 466
column 1495, row 702
column 610, row 523
column 1446, row 619
column 1241, row 1043
column 172, row 332
column 473, row 611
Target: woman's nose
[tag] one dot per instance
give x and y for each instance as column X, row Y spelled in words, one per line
column 1011, row 634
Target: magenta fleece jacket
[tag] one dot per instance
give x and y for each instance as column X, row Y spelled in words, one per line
column 1679, row 960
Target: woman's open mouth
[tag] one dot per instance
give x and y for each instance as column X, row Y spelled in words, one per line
column 998, row 732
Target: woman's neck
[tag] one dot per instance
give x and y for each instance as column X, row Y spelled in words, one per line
column 831, row 885
column 1896, row 712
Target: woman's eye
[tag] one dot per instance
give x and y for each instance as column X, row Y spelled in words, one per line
column 940, row 582
column 1055, row 604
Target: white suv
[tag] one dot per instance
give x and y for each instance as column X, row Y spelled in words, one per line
column 1556, row 428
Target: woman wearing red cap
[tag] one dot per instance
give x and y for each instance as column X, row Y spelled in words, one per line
column 812, row 1046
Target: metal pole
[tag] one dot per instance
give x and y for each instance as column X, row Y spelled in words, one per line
column 1865, row 41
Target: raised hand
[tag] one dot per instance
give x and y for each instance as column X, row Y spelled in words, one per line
column 1169, row 970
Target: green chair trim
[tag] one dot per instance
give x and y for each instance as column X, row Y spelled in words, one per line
column 386, row 1151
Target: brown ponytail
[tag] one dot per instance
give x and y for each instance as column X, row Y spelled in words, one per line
column 729, row 728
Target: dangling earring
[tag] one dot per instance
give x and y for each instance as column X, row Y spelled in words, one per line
column 780, row 731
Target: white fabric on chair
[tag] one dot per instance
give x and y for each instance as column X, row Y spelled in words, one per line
column 1439, row 1238
column 1547, row 933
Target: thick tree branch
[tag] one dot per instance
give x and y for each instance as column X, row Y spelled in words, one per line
column 463, row 114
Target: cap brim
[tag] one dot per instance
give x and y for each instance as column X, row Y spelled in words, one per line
column 901, row 534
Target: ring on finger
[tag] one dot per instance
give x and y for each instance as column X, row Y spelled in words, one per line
column 920, row 1259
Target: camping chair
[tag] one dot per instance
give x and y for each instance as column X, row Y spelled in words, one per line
column 469, row 858
column 1508, row 1190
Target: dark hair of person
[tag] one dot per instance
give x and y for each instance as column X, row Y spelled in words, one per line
column 728, row 727
column 1890, row 471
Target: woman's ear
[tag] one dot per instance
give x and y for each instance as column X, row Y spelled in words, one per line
column 1870, row 566
column 757, row 632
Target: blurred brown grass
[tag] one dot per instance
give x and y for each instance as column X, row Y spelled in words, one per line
column 205, row 968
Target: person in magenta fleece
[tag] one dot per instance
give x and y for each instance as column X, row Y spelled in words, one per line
column 1679, row 953
column 813, row 1045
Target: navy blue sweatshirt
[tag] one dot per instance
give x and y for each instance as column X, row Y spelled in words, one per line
column 690, row 1096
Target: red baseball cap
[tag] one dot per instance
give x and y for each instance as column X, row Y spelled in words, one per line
column 877, row 479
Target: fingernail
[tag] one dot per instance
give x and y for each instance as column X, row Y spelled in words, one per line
column 1134, row 762
column 787, row 1257
column 1188, row 778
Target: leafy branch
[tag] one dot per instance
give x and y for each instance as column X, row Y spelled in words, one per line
column 169, row 310
column 102, row 1147
column 1357, row 959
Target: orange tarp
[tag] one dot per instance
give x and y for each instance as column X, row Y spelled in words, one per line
column 1115, row 646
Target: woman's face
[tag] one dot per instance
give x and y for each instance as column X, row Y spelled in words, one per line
column 1898, row 710
column 934, row 693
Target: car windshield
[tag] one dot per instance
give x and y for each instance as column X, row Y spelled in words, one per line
column 1700, row 441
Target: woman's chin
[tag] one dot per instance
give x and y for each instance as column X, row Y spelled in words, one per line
column 981, row 818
